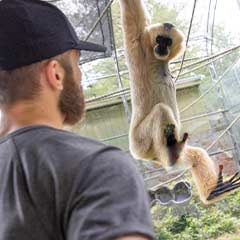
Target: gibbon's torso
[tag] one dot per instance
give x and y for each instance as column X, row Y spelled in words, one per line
column 155, row 81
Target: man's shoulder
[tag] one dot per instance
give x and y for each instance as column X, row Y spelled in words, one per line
column 51, row 140
column 63, row 148
column 70, row 154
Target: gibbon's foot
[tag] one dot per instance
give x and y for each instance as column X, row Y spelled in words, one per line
column 174, row 147
column 224, row 187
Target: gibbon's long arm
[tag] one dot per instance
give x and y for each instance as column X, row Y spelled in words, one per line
column 134, row 12
column 135, row 21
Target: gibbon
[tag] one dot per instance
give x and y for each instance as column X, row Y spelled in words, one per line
column 155, row 123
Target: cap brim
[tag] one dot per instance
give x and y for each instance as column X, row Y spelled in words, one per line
column 88, row 46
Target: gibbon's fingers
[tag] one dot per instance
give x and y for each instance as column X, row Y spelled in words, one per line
column 236, row 180
column 234, row 176
column 185, row 137
column 218, row 187
column 231, row 180
column 224, row 187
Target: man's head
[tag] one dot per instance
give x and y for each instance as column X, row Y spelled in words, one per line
column 57, row 79
column 39, row 56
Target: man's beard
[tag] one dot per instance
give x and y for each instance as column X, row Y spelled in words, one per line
column 71, row 102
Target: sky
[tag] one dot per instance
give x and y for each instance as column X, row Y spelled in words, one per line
column 228, row 11
column 227, row 14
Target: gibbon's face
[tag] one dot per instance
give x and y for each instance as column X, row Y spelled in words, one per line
column 167, row 42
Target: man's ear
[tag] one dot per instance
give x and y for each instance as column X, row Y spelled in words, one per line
column 55, row 74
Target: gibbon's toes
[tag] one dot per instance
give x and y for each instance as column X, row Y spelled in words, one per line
column 224, row 187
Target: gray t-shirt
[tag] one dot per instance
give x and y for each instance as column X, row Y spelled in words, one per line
column 56, row 185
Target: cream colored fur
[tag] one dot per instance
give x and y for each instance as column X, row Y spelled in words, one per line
column 153, row 95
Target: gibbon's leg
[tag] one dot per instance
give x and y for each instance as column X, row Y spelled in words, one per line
column 209, row 183
column 203, row 170
column 147, row 139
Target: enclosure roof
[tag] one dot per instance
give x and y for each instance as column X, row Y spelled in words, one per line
column 84, row 14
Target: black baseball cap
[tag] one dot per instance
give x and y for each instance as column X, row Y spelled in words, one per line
column 34, row 30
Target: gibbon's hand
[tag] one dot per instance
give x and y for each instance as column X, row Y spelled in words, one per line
column 224, row 187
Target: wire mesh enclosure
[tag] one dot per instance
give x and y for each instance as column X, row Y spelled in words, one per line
column 92, row 22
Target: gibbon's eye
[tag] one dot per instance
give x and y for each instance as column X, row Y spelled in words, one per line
column 169, row 41
column 164, row 41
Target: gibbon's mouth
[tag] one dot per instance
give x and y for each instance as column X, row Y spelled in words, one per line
column 162, row 48
column 164, row 41
column 161, row 51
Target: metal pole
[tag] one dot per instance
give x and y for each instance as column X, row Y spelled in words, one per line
column 238, row 3
column 119, row 79
column 99, row 19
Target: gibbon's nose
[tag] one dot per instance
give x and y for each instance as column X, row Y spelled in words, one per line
column 168, row 26
column 161, row 51
column 163, row 41
column 163, row 44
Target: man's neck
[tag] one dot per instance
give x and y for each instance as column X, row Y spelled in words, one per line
column 22, row 116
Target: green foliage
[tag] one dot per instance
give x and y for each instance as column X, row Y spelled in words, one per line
column 231, row 205
column 179, row 225
column 164, row 235
column 210, row 222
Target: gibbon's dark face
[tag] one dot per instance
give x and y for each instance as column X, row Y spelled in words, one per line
column 166, row 40
column 163, row 45
column 163, row 41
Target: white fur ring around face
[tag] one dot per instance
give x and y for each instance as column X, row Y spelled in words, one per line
column 160, row 56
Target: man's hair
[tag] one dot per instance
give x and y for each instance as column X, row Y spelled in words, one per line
column 23, row 84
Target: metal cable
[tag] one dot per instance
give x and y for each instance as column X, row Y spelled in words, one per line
column 223, row 133
column 99, row 19
column 101, row 25
column 213, row 25
column 204, row 65
column 168, row 181
column 120, row 92
column 208, row 58
column 189, row 31
column 208, row 90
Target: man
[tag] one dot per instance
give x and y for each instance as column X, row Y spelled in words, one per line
column 55, row 184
